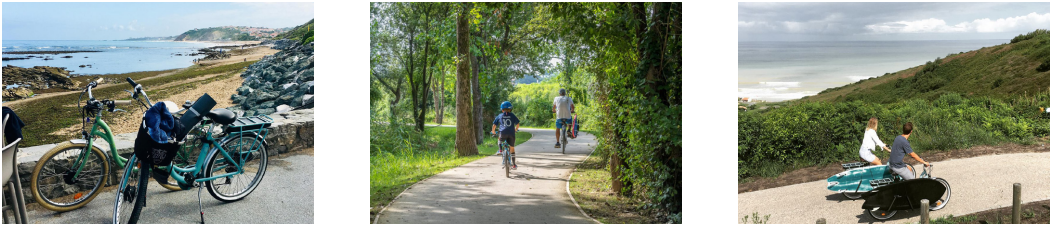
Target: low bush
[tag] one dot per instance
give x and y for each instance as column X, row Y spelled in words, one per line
column 817, row 132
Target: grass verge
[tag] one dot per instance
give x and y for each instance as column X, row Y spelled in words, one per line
column 393, row 171
column 1032, row 213
column 590, row 187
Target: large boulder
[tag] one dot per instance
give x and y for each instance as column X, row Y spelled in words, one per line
column 17, row 93
column 39, row 77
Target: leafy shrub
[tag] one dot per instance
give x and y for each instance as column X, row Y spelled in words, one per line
column 1030, row 35
column 812, row 133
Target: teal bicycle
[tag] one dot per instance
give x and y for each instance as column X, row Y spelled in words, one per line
column 506, row 156
column 230, row 167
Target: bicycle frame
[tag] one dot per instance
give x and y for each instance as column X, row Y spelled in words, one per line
column 105, row 134
column 208, row 140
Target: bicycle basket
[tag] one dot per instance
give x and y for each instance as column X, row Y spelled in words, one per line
column 148, row 150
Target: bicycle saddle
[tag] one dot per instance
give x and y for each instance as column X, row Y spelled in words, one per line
column 222, row 116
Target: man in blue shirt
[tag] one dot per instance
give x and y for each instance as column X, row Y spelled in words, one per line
column 901, row 147
column 508, row 124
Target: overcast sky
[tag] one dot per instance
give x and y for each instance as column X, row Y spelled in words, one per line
column 888, row 21
column 121, row 20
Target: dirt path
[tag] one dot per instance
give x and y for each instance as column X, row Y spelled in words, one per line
column 478, row 192
column 814, row 173
column 977, row 184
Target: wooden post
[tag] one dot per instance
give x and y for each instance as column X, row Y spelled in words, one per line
column 925, row 211
column 1016, row 206
column 821, row 221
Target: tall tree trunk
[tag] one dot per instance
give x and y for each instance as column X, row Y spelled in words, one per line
column 465, row 138
column 477, row 90
column 423, row 89
column 438, row 93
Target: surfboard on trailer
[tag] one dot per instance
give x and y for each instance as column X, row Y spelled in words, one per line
column 904, row 195
column 857, row 179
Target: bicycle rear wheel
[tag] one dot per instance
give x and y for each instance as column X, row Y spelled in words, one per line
column 565, row 142
column 186, row 157
column 941, row 202
column 507, row 163
column 248, row 151
column 131, row 194
column 52, row 182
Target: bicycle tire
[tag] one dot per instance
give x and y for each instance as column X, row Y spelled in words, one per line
column 940, row 203
column 881, row 215
column 565, row 142
column 215, row 155
column 507, row 163
column 135, row 192
column 852, row 195
column 96, row 158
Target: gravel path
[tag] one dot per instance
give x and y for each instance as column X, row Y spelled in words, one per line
column 978, row 184
column 478, row 192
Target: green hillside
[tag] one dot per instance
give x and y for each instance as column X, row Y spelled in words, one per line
column 989, row 96
column 1019, row 68
column 303, row 33
column 215, row 34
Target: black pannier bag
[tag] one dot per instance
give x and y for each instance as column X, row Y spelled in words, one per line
column 149, row 150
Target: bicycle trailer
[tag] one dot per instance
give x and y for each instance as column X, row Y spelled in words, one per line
column 576, row 128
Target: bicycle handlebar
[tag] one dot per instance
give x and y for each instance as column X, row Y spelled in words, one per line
column 138, row 90
column 132, row 82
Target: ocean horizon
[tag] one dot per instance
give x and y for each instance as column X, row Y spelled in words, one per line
column 778, row 71
column 112, row 56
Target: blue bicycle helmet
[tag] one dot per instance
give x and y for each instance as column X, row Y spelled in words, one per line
column 505, row 105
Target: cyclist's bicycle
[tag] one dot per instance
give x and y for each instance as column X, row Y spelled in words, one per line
column 69, row 176
column 237, row 158
column 506, row 150
column 565, row 138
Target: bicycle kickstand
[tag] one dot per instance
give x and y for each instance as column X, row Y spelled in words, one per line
column 199, row 205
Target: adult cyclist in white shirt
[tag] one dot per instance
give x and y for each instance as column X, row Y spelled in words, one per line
column 871, row 142
column 564, row 109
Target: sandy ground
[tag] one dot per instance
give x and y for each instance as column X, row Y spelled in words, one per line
column 227, row 43
column 977, row 184
column 255, row 53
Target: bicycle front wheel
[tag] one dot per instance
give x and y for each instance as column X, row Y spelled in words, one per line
column 251, row 154
column 131, row 193
column 56, row 184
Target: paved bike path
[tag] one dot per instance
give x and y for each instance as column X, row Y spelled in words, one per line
column 978, row 184
column 285, row 196
column 478, row 192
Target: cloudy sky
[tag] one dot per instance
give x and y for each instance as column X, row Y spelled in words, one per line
column 121, row 20
column 888, row 21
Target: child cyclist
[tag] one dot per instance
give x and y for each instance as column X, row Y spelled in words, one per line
column 505, row 120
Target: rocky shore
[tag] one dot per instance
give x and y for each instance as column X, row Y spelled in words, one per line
column 51, row 52
column 280, row 82
column 19, row 82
